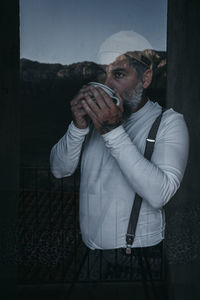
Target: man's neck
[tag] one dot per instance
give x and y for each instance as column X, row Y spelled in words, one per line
column 142, row 103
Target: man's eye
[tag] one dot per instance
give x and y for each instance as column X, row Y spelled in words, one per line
column 119, row 75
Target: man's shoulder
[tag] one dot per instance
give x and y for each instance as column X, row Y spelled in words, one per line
column 171, row 119
column 173, row 124
column 169, row 114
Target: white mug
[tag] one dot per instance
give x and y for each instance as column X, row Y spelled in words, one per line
column 108, row 90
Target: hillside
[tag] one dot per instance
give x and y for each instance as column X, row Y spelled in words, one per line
column 46, row 91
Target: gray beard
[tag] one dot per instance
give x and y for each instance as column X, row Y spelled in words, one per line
column 131, row 100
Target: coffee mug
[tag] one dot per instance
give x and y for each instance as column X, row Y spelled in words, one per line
column 108, row 90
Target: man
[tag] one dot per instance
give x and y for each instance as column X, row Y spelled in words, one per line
column 113, row 167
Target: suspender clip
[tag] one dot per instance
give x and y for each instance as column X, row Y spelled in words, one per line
column 128, row 250
column 129, row 242
column 150, row 140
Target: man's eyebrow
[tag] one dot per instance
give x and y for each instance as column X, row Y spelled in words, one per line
column 118, row 69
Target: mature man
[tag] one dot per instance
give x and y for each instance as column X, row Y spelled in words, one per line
column 113, row 166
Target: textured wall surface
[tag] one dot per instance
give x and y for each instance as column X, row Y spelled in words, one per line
column 9, row 141
column 183, row 94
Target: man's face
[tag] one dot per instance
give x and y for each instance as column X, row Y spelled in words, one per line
column 122, row 78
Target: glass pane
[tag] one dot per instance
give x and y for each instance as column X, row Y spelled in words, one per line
column 71, row 31
column 63, row 45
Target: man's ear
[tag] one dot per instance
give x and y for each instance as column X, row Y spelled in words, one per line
column 147, row 78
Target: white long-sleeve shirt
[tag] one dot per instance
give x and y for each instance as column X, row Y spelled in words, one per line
column 113, row 169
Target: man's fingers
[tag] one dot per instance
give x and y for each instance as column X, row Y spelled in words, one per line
column 101, row 97
column 89, row 111
column 79, row 111
column 107, row 99
column 84, row 88
column 92, row 104
column 98, row 98
column 76, row 105
column 77, row 99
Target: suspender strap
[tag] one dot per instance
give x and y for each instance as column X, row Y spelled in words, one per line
column 150, row 141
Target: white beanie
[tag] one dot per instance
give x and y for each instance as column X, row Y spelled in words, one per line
column 119, row 43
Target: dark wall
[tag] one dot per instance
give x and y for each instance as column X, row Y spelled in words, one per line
column 9, row 143
column 183, row 94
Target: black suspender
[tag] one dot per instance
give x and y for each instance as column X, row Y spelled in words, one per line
column 150, row 141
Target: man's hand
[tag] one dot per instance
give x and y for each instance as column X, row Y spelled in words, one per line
column 80, row 117
column 101, row 109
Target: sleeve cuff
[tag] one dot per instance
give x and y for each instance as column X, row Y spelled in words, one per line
column 78, row 131
column 113, row 134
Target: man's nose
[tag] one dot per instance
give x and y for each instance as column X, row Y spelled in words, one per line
column 108, row 82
